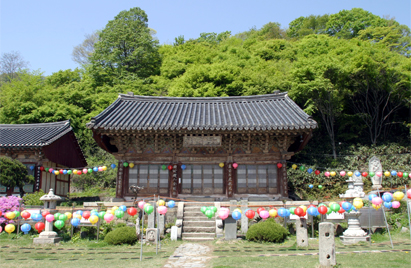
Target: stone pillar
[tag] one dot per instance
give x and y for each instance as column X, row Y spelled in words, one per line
column 174, row 231
column 161, row 223
column 230, row 228
column 327, row 244
column 301, row 230
column 244, row 219
column 152, row 217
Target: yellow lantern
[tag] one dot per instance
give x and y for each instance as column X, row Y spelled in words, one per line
column 114, row 208
column 387, row 173
column 131, row 165
column 10, row 215
column 332, row 173
column 9, row 228
column 68, row 214
column 75, row 171
column 273, row 213
column 78, row 216
column 376, row 207
column 294, row 166
column 239, row 210
column 349, row 173
column 357, row 199
column 221, row 165
column 104, row 168
column 398, row 196
column 161, row 203
column 358, row 204
column 304, row 208
column 93, row 219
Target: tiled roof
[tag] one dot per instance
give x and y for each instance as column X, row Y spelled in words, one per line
column 260, row 112
column 32, row 135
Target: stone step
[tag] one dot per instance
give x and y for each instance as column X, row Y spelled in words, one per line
column 192, row 209
column 185, row 235
column 198, row 204
column 198, row 239
column 194, row 214
column 199, row 223
column 197, row 218
column 198, row 229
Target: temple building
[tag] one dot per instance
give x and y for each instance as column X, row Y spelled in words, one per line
column 222, row 147
column 47, row 145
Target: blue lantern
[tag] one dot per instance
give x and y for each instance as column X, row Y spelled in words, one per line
column 371, row 196
column 313, row 211
column 123, row 208
column 95, row 213
column 346, row 206
column 357, row 173
column 311, row 186
column 386, row 197
column 26, row 228
column 64, row 171
column 75, row 222
column 393, row 173
column 113, row 166
column 171, row 204
column 183, row 167
column 287, row 213
column 310, row 170
column 36, row 217
column 31, row 167
column 80, row 212
column 388, row 205
column 236, row 215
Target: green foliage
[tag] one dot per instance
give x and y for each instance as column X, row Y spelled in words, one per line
column 33, row 199
column 303, row 26
column 123, row 235
column 267, row 231
column 13, row 173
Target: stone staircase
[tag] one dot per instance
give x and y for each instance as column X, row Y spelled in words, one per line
column 196, row 226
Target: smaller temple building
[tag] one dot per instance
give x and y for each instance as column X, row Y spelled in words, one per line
column 51, row 145
column 222, row 147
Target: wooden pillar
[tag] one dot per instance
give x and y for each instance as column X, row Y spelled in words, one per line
column 282, row 181
column 173, row 184
column 119, row 183
column 228, row 168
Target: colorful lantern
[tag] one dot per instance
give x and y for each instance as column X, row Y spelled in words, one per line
column 264, row 214
column 250, row 214
column 396, row 204
column 235, row 165
column 50, row 218
column 376, row 201
column 170, row 167
column 327, row 174
column 149, row 209
column 171, row 204
column 132, row 211
column 409, row 193
column 317, row 172
column 26, row 228
column 364, row 174
column 260, row 209
column 273, row 213
column 86, row 215
column 279, row 165
column 349, row 173
column 69, row 215
column 162, row 210
column 378, row 173
column 59, row 224
column 161, row 202
column 387, row 174
column 322, row 210
column 9, row 228
column 25, row 215
column 108, row 217
column 294, row 166
column 104, row 168
column 342, row 173
column 36, row 217
column 310, row 170
column 221, row 165
column 333, row 173
column 398, row 196
column 131, row 165
column 75, row 222
column 119, row 213
column 141, row 204
column 94, row 219
column 236, row 215
column 39, row 226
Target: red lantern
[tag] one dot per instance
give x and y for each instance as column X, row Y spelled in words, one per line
column 341, row 211
column 86, row 214
column 132, row 211
column 45, row 213
column 260, row 209
column 317, row 172
column 1, row 213
column 250, row 214
column 364, row 174
column 311, row 206
column 25, row 215
column 42, row 168
column 78, row 172
column 400, row 174
column 279, row 165
column 61, row 171
column 39, row 226
column 322, row 210
column 170, row 167
column 299, row 212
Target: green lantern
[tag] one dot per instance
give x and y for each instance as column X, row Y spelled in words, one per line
column 17, row 213
column 209, row 213
column 119, row 213
column 90, row 170
column 125, row 164
column 320, row 186
column 59, row 224
column 335, row 207
column 405, row 174
column 329, row 211
column 69, row 171
column 148, row 209
column 47, row 169
column 372, row 174
column 292, row 210
column 203, row 210
column 101, row 215
column 214, row 209
column 57, row 216
column 302, row 168
column 163, row 167
column 63, row 217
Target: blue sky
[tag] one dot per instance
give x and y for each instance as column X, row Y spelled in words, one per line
column 45, row 32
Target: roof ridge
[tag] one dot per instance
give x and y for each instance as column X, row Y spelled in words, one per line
column 50, row 124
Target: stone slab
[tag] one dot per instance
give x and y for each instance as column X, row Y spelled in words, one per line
column 180, row 210
column 174, row 231
column 326, row 244
column 152, row 217
column 301, row 232
column 45, row 240
column 244, row 219
column 179, row 225
column 230, row 228
column 233, row 205
column 151, row 235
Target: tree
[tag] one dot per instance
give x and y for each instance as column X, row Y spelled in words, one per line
column 13, row 173
column 347, row 23
column 82, row 53
column 11, row 63
column 303, row 26
column 126, row 47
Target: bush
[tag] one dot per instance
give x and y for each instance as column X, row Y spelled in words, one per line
column 123, row 235
column 267, row 231
column 34, row 198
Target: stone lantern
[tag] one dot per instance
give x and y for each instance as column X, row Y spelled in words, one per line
column 48, row 236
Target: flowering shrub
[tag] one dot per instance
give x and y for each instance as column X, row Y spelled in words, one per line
column 9, row 203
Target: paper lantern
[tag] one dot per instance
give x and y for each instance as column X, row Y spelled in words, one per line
column 250, row 214
column 387, row 174
column 170, row 167
column 364, row 174
column 398, row 196
column 377, row 201
column 104, row 168
column 132, row 211
column 260, row 209
column 349, row 173
column 313, row 211
column 279, row 165
column 162, row 210
column 322, row 210
column 25, row 215
column 100, row 169
column 409, row 193
column 386, row 197
column 299, row 211
column 39, row 226
column 75, row 222
column 317, row 172
column 141, row 204
column 50, row 218
column 310, row 170
column 342, row 173
column 333, row 173
column 119, row 213
column 388, row 205
column 108, row 217
column 273, row 213
column 221, row 165
column 327, row 174
column 86, row 215
column 93, row 219
column 378, row 173
column 235, row 165
column 396, row 204
column 131, row 165
column 9, row 228
column 294, row 166
column 68, row 215
column 183, row 167
column 161, row 202
column 223, row 214
column 304, row 208
column 171, row 204
column 264, row 214
column 59, row 224
column 26, row 228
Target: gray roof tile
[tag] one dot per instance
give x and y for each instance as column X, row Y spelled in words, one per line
column 260, row 112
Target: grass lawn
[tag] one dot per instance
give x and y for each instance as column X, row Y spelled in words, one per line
column 21, row 252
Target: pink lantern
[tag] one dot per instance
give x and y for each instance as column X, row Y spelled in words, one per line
column 108, row 217
column 327, row 174
column 162, row 210
column 223, row 214
column 1, row 229
column 378, row 173
column 376, row 201
column 264, row 214
column 51, row 170
column 342, row 173
column 235, row 165
column 396, row 204
column 141, row 204
column 409, row 175
column 409, row 193
column 85, row 170
column 50, row 218
column 100, row 168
